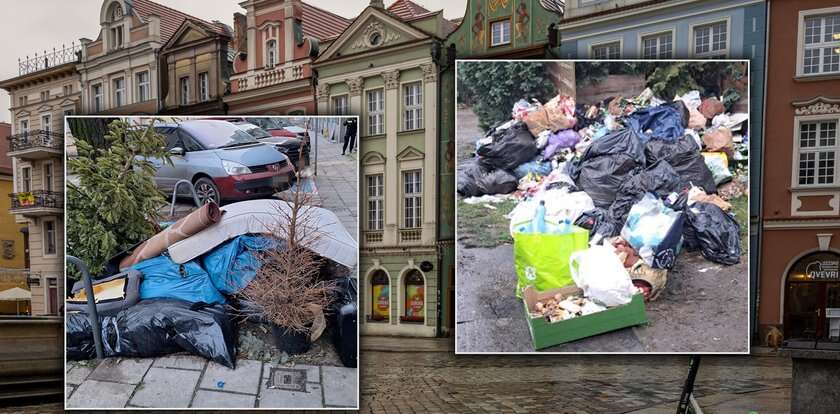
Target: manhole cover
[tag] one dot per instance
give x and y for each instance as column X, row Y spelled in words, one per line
column 287, row 379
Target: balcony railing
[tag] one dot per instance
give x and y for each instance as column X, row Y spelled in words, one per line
column 66, row 54
column 373, row 236
column 268, row 77
column 410, row 235
column 38, row 138
column 36, row 200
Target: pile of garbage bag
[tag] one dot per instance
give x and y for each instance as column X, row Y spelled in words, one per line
column 643, row 177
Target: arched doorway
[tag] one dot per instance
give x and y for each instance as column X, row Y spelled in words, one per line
column 812, row 297
column 380, row 289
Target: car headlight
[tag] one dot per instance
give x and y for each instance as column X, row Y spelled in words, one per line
column 235, row 168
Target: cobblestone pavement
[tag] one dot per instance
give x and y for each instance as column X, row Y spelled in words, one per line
column 442, row 382
column 182, row 381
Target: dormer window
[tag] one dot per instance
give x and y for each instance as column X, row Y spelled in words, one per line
column 271, row 53
column 116, row 36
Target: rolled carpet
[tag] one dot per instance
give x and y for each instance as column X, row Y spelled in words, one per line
column 193, row 223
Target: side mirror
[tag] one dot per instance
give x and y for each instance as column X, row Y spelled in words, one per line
column 177, row 151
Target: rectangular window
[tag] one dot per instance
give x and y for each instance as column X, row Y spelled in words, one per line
column 658, row 46
column 96, row 96
column 119, row 92
column 23, row 126
column 340, row 105
column 68, row 89
column 610, row 50
column 23, row 100
column 185, row 90
column 45, row 95
column 413, row 106
column 116, row 37
column 821, row 53
column 412, row 199
column 204, row 87
column 26, row 179
column 46, row 123
column 376, row 200
column 500, row 32
column 48, row 176
column 817, row 152
column 49, row 237
column 142, row 86
column 376, row 111
column 710, row 40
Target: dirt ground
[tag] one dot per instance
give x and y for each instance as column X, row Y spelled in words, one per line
column 704, row 307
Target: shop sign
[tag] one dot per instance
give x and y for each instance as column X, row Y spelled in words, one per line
column 823, row 270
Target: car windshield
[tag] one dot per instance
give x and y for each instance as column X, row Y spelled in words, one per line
column 218, row 134
column 256, row 131
column 266, row 123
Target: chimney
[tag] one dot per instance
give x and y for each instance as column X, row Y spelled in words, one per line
column 379, row 4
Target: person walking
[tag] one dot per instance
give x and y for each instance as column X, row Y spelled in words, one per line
column 349, row 135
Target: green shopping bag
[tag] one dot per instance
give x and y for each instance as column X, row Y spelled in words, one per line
column 542, row 259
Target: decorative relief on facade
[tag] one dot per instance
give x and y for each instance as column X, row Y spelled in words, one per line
column 392, row 79
column 323, row 92
column 374, row 35
column 429, row 72
column 495, row 4
column 355, row 85
column 819, row 108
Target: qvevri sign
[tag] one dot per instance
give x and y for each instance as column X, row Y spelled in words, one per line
column 823, row 270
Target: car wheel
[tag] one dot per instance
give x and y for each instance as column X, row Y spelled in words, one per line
column 207, row 191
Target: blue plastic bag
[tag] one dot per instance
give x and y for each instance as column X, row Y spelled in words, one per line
column 234, row 263
column 163, row 278
column 536, row 167
column 665, row 122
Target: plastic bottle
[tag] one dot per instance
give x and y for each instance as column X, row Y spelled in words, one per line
column 539, row 218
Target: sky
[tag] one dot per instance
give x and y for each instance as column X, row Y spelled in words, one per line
column 41, row 25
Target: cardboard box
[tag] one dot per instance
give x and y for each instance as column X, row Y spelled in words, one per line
column 545, row 333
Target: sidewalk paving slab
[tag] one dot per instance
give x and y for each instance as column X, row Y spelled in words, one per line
column 124, row 370
column 313, row 374
column 100, row 394
column 181, row 362
column 340, row 386
column 244, row 379
column 214, row 399
column 276, row 398
column 166, row 388
column 77, row 374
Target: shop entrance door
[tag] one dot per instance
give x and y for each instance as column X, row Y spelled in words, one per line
column 803, row 310
column 831, row 315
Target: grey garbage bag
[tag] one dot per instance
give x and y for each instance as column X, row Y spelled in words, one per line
column 684, row 155
column 475, row 180
column 606, row 164
column 716, row 232
column 157, row 327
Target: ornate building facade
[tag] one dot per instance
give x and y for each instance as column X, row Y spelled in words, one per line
column 386, row 68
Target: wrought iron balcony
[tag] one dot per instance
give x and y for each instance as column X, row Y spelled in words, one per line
column 36, row 144
column 67, row 54
column 37, row 203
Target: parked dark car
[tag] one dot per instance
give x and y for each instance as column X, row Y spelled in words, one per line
column 289, row 146
column 223, row 162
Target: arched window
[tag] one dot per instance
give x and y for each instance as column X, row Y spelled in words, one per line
column 812, row 290
column 116, row 12
column 415, row 297
column 271, row 53
column 380, row 296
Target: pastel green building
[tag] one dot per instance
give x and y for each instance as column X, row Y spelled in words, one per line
column 385, row 67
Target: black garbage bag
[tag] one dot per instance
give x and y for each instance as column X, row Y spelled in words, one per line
column 345, row 313
column 716, row 232
column 659, row 179
column 684, row 155
column 157, row 327
column 606, row 164
column 510, row 148
column 667, row 121
column 598, row 221
column 475, row 180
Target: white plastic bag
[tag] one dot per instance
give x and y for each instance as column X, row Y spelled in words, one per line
column 602, row 276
